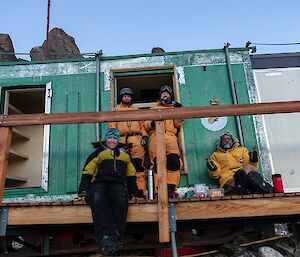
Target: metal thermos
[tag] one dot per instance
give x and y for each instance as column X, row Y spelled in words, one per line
column 277, row 182
column 150, row 185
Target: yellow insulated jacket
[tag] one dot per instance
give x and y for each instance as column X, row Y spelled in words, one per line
column 228, row 162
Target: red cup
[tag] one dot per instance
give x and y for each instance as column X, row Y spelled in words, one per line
column 277, row 181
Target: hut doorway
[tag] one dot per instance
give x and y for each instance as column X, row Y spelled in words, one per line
column 28, row 156
column 145, row 84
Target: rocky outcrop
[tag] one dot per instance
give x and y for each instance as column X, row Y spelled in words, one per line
column 7, row 51
column 157, row 50
column 60, row 46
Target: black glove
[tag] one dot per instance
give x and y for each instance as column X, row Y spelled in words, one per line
column 176, row 104
column 85, row 196
column 144, row 141
column 211, row 166
column 132, row 187
column 253, row 156
column 85, row 186
column 152, row 124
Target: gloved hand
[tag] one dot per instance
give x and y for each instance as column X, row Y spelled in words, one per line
column 176, row 104
column 144, row 141
column 84, row 195
column 152, row 124
column 179, row 121
column 211, row 166
column 253, row 156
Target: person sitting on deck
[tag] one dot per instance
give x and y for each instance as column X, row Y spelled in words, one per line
column 236, row 168
column 103, row 185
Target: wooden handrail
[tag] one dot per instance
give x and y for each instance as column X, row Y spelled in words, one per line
column 157, row 114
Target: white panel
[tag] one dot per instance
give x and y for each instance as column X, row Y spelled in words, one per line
column 45, row 164
column 282, row 129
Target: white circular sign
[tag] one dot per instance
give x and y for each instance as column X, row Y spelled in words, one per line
column 214, row 123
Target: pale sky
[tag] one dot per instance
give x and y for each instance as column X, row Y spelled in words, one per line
column 121, row 27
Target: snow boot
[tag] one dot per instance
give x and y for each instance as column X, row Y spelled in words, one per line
column 257, row 183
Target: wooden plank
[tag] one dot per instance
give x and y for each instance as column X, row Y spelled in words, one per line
column 185, row 211
column 242, row 208
column 16, row 178
column 15, row 154
column 19, row 134
column 143, row 68
column 73, row 214
column 154, row 114
column 163, row 212
column 5, row 141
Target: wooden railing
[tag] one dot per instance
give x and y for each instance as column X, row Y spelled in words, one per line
column 9, row 121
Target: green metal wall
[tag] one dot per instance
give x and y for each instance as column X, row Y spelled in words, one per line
column 202, row 84
column 74, row 90
column 69, row 144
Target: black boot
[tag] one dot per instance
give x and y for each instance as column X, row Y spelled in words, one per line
column 110, row 244
column 240, row 180
column 171, row 191
column 257, row 183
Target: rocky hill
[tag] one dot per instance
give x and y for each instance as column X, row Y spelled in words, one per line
column 60, row 46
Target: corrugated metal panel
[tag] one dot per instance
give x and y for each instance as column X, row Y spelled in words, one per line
column 203, row 84
column 63, row 154
column 72, row 146
column 282, row 129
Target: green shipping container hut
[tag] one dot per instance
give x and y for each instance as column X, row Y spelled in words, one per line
column 45, row 162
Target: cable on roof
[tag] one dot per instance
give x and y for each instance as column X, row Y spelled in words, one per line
column 276, row 44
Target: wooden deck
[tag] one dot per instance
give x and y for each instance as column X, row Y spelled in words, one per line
column 194, row 209
column 228, row 207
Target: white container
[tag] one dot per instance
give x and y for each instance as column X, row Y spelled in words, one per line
column 201, row 190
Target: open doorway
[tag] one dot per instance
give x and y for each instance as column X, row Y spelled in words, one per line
column 28, row 154
column 145, row 84
column 145, row 87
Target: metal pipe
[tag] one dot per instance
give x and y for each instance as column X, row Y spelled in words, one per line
column 47, row 35
column 173, row 245
column 98, row 56
column 233, row 93
column 173, row 228
column 150, row 184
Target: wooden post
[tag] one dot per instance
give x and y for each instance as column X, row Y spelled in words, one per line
column 5, row 141
column 163, row 215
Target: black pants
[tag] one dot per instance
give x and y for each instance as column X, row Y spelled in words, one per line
column 252, row 182
column 109, row 204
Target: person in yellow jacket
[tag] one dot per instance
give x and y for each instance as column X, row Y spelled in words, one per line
column 236, row 168
column 171, row 141
column 134, row 134
column 108, row 179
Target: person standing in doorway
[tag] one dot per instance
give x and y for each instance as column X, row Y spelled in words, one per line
column 133, row 134
column 172, row 127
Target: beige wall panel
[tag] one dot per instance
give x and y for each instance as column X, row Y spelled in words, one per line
column 282, row 129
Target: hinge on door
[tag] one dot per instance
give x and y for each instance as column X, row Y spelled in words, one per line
column 50, row 92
